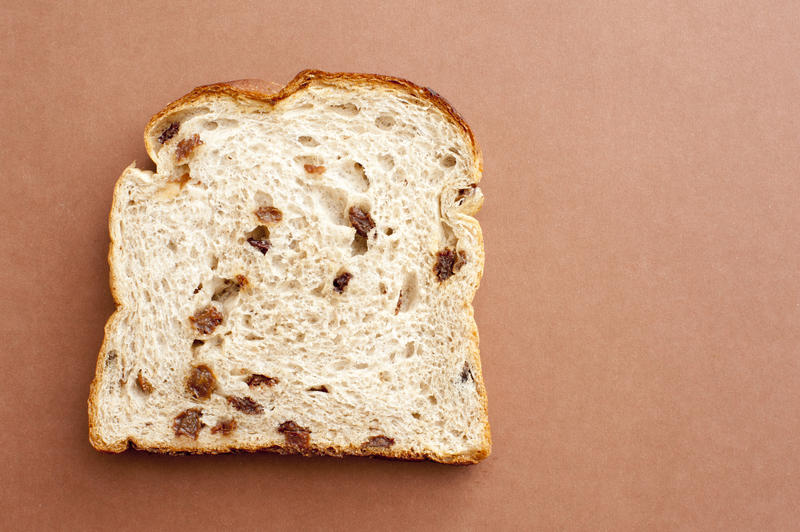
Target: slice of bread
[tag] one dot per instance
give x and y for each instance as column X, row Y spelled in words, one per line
column 297, row 276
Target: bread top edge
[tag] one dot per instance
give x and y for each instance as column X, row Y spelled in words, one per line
column 260, row 91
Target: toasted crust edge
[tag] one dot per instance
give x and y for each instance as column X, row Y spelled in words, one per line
column 262, row 91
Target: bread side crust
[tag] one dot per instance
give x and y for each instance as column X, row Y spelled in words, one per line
column 260, row 92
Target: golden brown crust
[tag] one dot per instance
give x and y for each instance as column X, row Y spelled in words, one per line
column 338, row 452
column 269, row 94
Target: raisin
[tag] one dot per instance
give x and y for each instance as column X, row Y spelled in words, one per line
column 199, row 287
column 241, row 281
column 259, row 239
column 466, row 373
column 256, row 379
column 269, row 214
column 182, row 180
column 225, row 426
column 261, row 245
column 321, row 388
column 399, row 303
column 206, row 320
column 296, row 436
column 245, row 404
column 448, row 262
column 378, row 441
column 168, row 133
column 201, row 382
column 360, row 220
column 186, row 146
column 340, row 283
column 144, row 384
column 311, row 169
column 188, row 423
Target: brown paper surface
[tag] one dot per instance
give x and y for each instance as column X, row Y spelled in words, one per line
column 640, row 309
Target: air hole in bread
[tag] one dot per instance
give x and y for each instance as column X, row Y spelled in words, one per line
column 448, row 238
column 197, row 343
column 331, row 204
column 410, row 348
column 448, row 161
column 227, row 288
column 213, row 262
column 416, row 415
column 385, row 122
column 386, row 161
column 261, row 199
column 305, row 140
column 355, row 175
column 321, row 388
column 347, row 109
column 463, row 193
column 172, row 246
column 210, row 125
column 321, row 289
column 361, row 365
column 359, row 245
column 432, row 399
column 384, row 376
column 382, row 287
column 408, row 295
column 389, row 231
column 199, row 287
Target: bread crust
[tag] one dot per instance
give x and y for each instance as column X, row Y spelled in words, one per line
column 260, row 92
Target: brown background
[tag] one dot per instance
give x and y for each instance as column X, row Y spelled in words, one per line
column 640, row 310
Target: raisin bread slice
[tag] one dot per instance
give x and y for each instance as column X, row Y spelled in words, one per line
column 297, row 276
